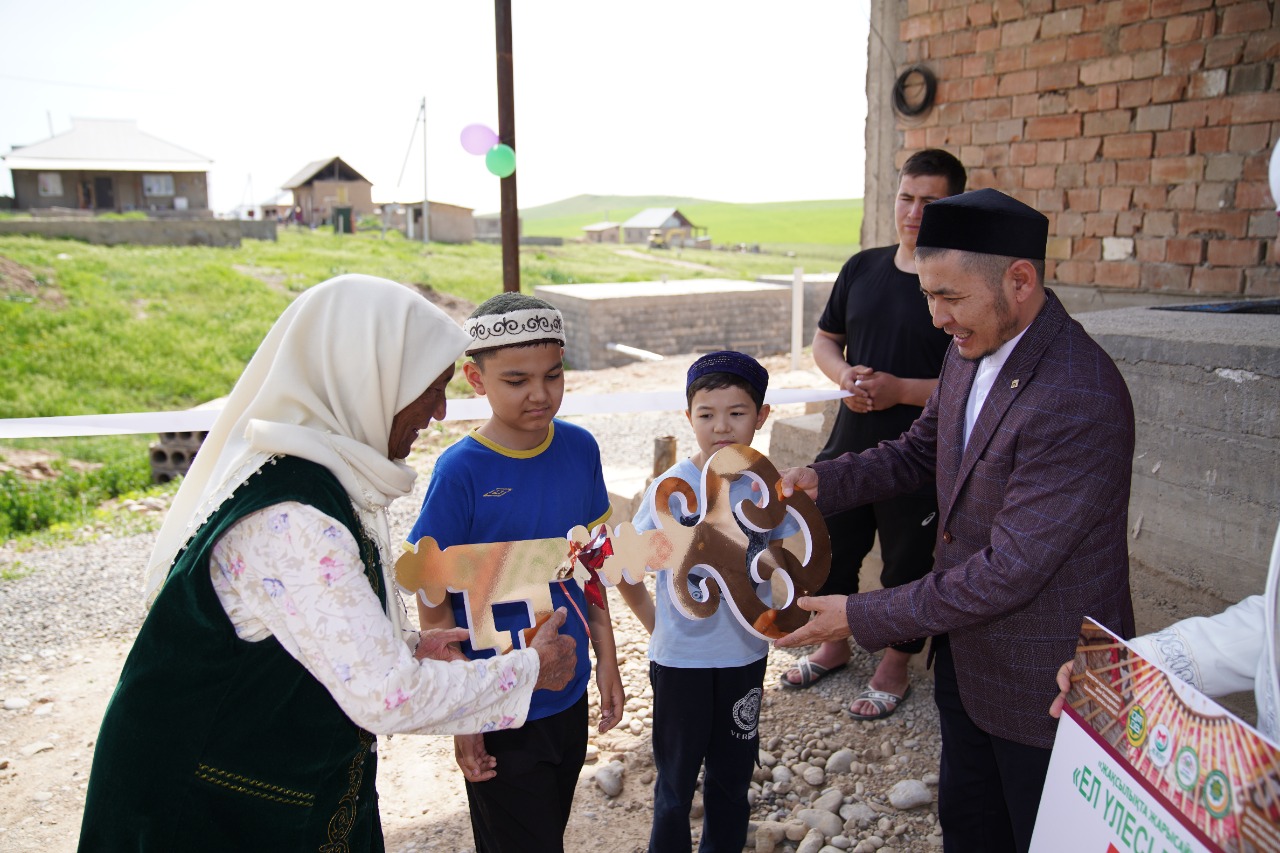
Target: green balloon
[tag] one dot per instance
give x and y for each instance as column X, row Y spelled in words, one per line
column 500, row 160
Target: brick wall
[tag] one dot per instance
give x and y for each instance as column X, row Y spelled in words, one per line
column 1141, row 128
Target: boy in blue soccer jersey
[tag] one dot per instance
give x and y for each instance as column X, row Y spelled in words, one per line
column 707, row 674
column 524, row 475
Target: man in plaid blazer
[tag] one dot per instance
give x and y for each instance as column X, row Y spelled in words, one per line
column 1030, row 437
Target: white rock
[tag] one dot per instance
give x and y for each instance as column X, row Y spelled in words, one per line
column 767, row 759
column 795, row 830
column 609, row 779
column 812, row 842
column 16, row 703
column 930, row 779
column 840, row 761
column 38, row 746
column 781, row 774
column 593, row 754
column 637, row 727
column 910, row 794
column 42, row 796
column 840, row 842
column 814, row 776
column 42, row 711
column 830, row 800
column 857, row 816
column 823, row 821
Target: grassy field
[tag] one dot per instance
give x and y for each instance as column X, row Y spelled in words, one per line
column 834, row 223
column 135, row 328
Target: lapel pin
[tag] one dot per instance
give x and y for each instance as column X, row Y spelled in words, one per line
column 1013, row 384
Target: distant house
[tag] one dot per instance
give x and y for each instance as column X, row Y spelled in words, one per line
column 669, row 222
column 108, row 165
column 489, row 228
column 602, row 232
column 325, row 184
column 450, row 223
column 279, row 207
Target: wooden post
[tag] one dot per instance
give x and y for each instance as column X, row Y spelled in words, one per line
column 664, row 454
column 507, row 134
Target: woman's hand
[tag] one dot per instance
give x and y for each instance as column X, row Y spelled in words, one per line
column 440, row 644
column 556, row 653
column 475, row 761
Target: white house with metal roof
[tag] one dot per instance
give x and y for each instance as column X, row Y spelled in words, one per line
column 108, row 165
column 670, row 223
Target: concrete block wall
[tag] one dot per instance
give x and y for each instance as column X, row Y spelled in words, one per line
column 172, row 455
column 151, row 232
column 1141, row 128
column 669, row 318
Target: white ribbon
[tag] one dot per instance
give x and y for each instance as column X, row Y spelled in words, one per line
column 475, row 409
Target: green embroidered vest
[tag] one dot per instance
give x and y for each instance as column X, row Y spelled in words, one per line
column 211, row 742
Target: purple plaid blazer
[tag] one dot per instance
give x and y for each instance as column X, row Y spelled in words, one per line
column 1032, row 521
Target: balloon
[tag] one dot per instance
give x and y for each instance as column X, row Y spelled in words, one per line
column 478, row 138
column 500, row 160
column 1275, row 176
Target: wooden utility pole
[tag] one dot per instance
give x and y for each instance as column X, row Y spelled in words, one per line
column 507, row 135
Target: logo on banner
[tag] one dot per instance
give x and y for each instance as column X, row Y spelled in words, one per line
column 1217, row 793
column 1160, row 747
column 1136, row 730
column 1187, row 769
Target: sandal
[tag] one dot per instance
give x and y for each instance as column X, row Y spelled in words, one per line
column 810, row 673
column 885, row 703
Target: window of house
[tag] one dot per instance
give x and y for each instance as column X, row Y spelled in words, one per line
column 50, row 183
column 153, row 185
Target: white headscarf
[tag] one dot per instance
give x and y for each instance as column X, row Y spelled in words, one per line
column 324, row 385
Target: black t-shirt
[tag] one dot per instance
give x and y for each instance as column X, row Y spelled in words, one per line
column 885, row 321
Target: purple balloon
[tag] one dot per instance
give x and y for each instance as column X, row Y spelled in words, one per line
column 478, row 139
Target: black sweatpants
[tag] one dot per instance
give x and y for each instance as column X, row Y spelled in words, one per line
column 711, row 716
column 525, row 808
column 907, row 526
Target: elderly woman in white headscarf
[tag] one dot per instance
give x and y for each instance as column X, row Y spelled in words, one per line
column 274, row 649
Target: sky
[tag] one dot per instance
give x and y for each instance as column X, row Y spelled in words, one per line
column 727, row 100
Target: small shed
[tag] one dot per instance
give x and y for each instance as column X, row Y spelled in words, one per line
column 672, row 226
column 109, row 165
column 324, row 185
column 603, row 232
column 489, row 227
column 450, row 223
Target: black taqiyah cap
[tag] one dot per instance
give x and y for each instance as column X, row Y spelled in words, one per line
column 985, row 221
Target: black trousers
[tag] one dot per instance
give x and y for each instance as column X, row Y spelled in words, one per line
column 711, row 716
column 907, row 526
column 989, row 787
column 525, row 808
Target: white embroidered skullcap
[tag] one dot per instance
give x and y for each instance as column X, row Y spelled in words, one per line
column 522, row 325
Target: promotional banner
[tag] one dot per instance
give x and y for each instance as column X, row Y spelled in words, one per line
column 1143, row 762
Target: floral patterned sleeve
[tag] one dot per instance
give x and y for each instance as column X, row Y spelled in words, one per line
column 292, row 572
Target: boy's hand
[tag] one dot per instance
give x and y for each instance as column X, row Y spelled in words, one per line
column 557, row 656
column 440, row 644
column 476, row 762
column 612, row 696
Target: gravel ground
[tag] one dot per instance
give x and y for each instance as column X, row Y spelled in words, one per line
column 825, row 783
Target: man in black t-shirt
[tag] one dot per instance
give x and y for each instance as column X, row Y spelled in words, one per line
column 877, row 340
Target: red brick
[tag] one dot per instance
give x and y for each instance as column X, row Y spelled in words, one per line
column 988, row 41
column 1116, row 13
column 971, row 156
column 1056, row 78
column 1189, row 114
column 954, row 19
column 1082, row 149
column 1074, row 272
column 1183, row 58
column 1047, row 104
column 1256, row 167
column 1039, row 177
column 1159, row 223
column 1115, row 198
column 984, row 133
column 1019, row 33
column 965, row 41
column 940, row 49
column 1148, row 64
column 1050, row 151
column 1177, row 170
column 1050, row 201
column 1108, row 97
column 955, row 90
column 1224, row 53
column 1246, row 18
column 1262, row 45
column 1063, row 23
column 1182, row 197
column 1266, row 224
column 1165, row 90
column 980, row 178
column 1133, row 172
column 1046, row 53
column 1144, row 36
column 1255, row 106
column 998, row 109
column 1136, row 93
column 1009, row 59
column 1149, row 197
column 1149, row 250
column 976, row 66
column 1254, row 195
column 920, row 26
column 1219, row 280
column 1182, row 29
column 1185, row 250
column 1226, row 223
column 1212, row 140
column 1009, row 10
column 1165, row 277
column 984, row 87
column 1022, row 106
column 1052, row 127
column 1070, row 224
column 1128, row 222
column 1173, row 143
column 979, row 14
column 1127, row 146
column 1152, row 117
column 1107, row 123
column 995, row 156
column 1071, row 176
column 1082, row 100
column 1108, row 70
column 1167, row 8
column 1084, row 200
column 918, row 7
column 1101, row 174
column 1213, row 195
column 1235, row 253
column 1017, row 83
column 1085, row 46
column 1117, row 273
column 1100, row 224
